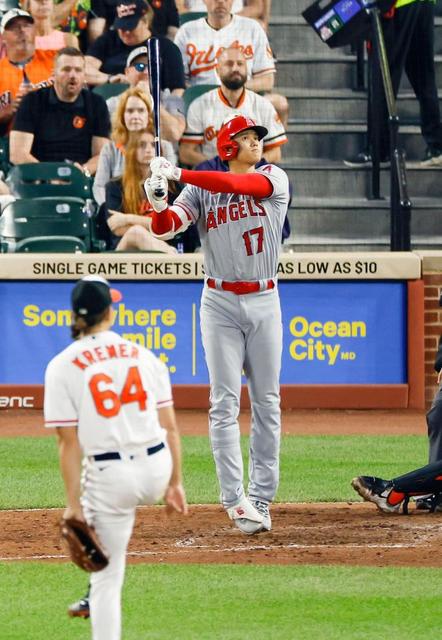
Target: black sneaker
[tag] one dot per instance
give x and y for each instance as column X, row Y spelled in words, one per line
column 363, row 159
column 432, row 158
column 79, row 609
column 377, row 490
column 429, row 503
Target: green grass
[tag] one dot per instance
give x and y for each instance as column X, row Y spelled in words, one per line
column 198, row 602
column 312, row 468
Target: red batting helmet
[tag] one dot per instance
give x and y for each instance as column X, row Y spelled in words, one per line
column 228, row 148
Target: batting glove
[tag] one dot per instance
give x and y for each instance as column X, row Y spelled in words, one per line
column 156, row 192
column 165, row 168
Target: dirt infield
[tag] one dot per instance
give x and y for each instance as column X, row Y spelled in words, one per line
column 343, row 533
column 27, row 422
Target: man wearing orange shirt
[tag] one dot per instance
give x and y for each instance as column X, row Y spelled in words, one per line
column 24, row 68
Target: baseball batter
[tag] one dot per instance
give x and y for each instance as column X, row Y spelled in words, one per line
column 239, row 215
column 111, row 404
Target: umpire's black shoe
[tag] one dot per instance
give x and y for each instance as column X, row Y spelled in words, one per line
column 79, row 609
column 380, row 492
column 429, row 503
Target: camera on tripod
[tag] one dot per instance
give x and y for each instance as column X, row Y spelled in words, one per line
column 342, row 22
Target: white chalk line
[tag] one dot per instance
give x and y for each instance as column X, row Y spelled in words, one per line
column 240, row 549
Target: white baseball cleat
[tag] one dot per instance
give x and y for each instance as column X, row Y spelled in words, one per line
column 246, row 517
column 263, row 508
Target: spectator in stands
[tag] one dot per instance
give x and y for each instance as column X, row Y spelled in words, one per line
column 409, row 45
column 207, row 113
column 127, row 207
column 73, row 16
column 165, row 19
column 172, row 106
column 24, row 68
column 106, row 57
column 258, row 9
column 201, row 42
column 134, row 113
column 47, row 37
column 62, row 122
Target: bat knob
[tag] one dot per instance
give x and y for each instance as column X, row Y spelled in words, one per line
column 159, row 193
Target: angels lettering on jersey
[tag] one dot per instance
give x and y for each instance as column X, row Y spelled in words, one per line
column 243, row 208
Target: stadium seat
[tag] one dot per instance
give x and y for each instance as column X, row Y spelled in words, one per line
column 51, row 244
column 44, row 179
column 192, row 93
column 191, row 15
column 6, row 5
column 41, row 217
column 5, row 165
column 109, row 90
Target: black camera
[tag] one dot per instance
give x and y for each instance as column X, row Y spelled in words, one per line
column 342, row 22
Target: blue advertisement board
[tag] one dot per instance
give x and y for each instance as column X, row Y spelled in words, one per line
column 341, row 332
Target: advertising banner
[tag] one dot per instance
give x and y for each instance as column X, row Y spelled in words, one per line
column 345, row 332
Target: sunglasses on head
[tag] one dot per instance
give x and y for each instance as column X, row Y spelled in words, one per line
column 140, row 66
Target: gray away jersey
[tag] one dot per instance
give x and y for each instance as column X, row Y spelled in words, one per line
column 240, row 235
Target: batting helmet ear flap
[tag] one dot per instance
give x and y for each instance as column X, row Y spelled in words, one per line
column 230, row 150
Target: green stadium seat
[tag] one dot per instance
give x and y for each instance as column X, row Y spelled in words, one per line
column 191, row 15
column 49, row 179
column 5, row 165
column 192, row 93
column 6, row 5
column 51, row 244
column 41, row 217
column 109, row 90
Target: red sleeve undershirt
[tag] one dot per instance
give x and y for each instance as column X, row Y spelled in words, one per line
column 246, row 184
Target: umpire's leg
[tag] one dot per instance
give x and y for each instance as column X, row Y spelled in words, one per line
column 434, row 424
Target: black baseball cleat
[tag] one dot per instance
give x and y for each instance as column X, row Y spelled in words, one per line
column 79, row 609
column 380, row 492
column 429, row 503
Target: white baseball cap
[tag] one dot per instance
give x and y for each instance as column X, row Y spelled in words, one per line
column 136, row 53
column 12, row 14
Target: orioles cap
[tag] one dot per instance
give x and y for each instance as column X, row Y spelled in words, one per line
column 92, row 295
column 129, row 13
column 12, row 14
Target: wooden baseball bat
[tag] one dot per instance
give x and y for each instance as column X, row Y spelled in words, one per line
column 153, row 57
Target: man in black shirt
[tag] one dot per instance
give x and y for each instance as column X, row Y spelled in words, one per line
column 165, row 21
column 106, row 57
column 65, row 121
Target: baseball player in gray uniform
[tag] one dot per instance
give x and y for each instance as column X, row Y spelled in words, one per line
column 110, row 402
column 239, row 215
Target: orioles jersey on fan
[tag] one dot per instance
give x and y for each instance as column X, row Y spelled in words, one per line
column 207, row 113
column 200, row 46
column 38, row 71
column 199, row 5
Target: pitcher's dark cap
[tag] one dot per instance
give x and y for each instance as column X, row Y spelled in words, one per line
column 92, row 295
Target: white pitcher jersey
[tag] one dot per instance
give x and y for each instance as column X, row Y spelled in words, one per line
column 240, row 235
column 200, row 46
column 110, row 388
column 207, row 113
